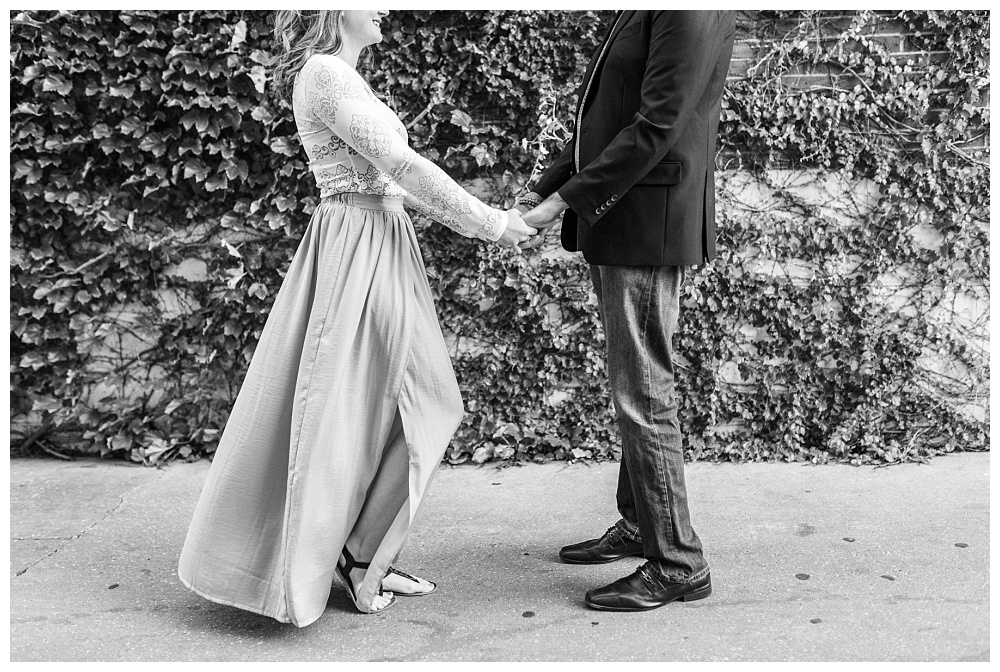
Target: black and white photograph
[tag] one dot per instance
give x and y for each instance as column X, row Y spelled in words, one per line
column 475, row 336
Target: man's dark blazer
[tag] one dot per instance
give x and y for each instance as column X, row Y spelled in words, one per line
column 639, row 173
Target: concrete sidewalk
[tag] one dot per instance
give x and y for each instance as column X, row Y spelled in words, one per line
column 808, row 563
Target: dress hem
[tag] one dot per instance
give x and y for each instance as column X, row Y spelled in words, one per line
column 244, row 607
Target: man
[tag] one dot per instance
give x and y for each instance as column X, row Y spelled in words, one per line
column 636, row 185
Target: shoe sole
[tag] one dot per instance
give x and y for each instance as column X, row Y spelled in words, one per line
column 600, row 562
column 699, row 594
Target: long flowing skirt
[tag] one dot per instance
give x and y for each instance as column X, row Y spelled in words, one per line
column 351, row 362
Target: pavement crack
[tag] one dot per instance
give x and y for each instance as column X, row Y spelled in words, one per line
column 108, row 514
column 121, row 502
column 44, row 557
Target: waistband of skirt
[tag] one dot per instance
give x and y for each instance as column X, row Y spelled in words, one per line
column 368, row 201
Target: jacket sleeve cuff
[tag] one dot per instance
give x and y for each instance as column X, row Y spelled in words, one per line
column 581, row 200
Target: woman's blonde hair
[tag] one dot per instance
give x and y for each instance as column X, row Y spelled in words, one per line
column 300, row 33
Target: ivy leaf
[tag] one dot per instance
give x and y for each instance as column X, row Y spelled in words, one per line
column 197, row 118
column 196, row 169
column 258, row 76
column 482, row 453
column 153, row 143
column 32, row 360
column 235, row 275
column 460, row 118
column 121, row 90
column 233, row 252
column 57, row 83
column 485, row 156
column 132, row 126
column 239, row 35
column 28, row 171
column 120, row 443
column 508, row 429
column 284, row 146
column 217, row 182
column 30, row 73
column 258, row 290
column 276, row 220
column 262, row 57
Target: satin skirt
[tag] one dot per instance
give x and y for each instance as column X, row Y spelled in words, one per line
column 351, row 361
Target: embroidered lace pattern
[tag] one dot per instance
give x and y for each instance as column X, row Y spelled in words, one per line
column 355, row 143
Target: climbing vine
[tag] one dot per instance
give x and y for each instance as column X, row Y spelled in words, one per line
column 158, row 190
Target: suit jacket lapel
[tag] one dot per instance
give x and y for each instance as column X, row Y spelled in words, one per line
column 592, row 66
column 592, row 70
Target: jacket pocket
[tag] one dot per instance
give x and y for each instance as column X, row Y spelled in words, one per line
column 666, row 172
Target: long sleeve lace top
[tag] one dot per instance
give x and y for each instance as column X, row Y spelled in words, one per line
column 357, row 144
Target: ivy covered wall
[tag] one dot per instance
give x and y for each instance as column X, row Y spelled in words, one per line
column 158, row 190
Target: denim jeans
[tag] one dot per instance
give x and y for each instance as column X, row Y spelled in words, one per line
column 639, row 307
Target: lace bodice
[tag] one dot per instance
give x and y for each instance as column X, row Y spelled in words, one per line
column 357, row 144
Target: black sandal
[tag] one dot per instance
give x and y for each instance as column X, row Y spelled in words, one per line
column 414, row 579
column 345, row 574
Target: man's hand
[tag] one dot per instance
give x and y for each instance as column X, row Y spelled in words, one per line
column 544, row 216
column 517, row 232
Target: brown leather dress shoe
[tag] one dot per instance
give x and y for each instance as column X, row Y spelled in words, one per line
column 610, row 547
column 644, row 590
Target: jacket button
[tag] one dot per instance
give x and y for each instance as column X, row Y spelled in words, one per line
column 614, row 198
column 610, row 201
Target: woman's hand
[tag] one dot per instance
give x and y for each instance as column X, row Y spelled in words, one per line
column 543, row 217
column 517, row 231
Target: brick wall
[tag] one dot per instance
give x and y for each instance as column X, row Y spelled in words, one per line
column 827, row 27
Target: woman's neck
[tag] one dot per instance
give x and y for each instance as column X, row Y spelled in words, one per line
column 349, row 53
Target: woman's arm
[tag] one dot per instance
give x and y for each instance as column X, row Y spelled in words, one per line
column 339, row 97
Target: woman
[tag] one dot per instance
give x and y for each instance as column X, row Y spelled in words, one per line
column 350, row 400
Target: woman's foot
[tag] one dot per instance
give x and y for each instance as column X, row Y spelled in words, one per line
column 406, row 585
column 353, row 573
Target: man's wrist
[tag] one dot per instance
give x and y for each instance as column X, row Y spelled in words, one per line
column 554, row 204
column 529, row 200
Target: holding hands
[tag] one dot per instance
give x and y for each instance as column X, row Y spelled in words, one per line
column 542, row 215
column 518, row 233
column 530, row 218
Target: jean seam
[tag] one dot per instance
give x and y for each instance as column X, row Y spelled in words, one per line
column 648, row 382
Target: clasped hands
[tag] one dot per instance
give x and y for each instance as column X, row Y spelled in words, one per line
column 527, row 227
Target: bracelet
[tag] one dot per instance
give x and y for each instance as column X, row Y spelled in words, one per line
column 530, row 201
